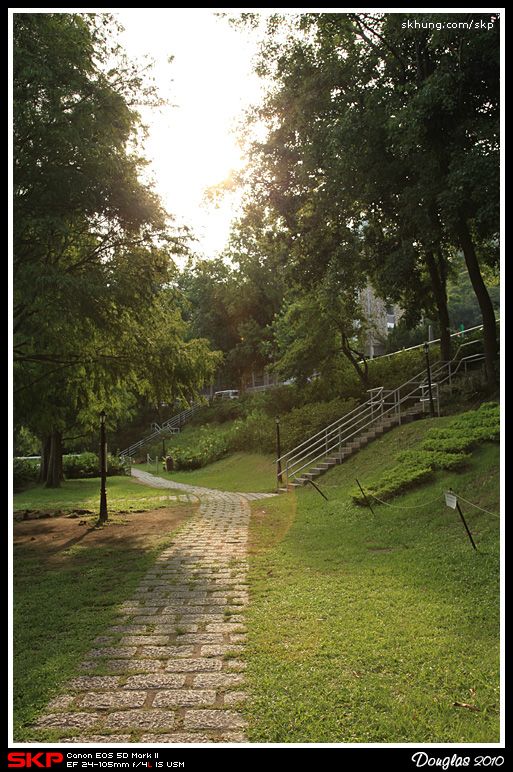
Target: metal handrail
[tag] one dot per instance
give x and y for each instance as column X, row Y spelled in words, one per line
column 330, row 440
column 170, row 425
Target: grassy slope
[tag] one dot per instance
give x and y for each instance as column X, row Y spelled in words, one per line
column 238, row 472
column 377, row 628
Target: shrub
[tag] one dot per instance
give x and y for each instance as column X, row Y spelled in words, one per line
column 206, row 447
column 81, row 467
column 257, row 433
column 87, row 465
column 306, row 421
column 433, row 459
column 24, row 472
column 116, row 467
column 391, row 372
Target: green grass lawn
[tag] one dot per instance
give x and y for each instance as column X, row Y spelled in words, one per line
column 377, row 628
column 238, row 472
column 122, row 492
column 67, row 591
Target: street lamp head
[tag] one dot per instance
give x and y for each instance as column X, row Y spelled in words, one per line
column 277, row 419
column 426, row 348
column 102, row 417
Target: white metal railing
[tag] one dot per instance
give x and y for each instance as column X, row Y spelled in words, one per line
column 382, row 404
column 172, row 425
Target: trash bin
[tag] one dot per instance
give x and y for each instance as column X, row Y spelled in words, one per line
column 169, row 464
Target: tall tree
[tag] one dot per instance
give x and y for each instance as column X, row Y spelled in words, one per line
column 232, row 301
column 93, row 309
column 387, row 123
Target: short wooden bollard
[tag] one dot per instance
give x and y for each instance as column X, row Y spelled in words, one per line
column 365, row 497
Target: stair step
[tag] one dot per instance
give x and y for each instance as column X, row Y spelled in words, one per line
column 357, row 444
column 325, row 465
column 338, row 458
column 312, row 474
column 378, row 426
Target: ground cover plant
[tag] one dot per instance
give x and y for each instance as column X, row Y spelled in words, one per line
column 445, row 447
column 246, row 427
column 382, row 625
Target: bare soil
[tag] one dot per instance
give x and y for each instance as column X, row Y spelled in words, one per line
column 53, row 532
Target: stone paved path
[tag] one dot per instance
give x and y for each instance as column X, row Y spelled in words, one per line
column 169, row 669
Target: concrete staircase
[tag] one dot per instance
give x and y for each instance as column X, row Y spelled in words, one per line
column 376, row 431
column 417, row 398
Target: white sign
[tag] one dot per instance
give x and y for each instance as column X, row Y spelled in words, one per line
column 450, row 500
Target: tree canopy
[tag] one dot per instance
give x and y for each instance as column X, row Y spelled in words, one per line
column 384, row 125
column 95, row 315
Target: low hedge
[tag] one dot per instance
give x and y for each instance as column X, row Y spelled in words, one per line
column 84, row 466
column 24, row 472
column 208, row 446
column 87, row 465
column 256, row 432
column 442, row 449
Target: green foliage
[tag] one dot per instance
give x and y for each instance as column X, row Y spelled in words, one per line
column 82, row 467
column 446, row 449
column 306, row 421
column 392, row 372
column 87, row 465
column 473, row 427
column 256, row 433
column 233, row 307
column 207, row 446
column 95, row 315
column 24, row 472
column 374, row 167
column 254, row 430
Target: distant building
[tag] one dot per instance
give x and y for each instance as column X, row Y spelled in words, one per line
column 383, row 317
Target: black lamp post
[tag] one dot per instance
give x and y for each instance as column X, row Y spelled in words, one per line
column 431, row 405
column 103, row 469
column 277, row 419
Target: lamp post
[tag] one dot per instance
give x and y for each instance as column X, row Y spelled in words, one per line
column 431, row 405
column 279, row 477
column 103, row 469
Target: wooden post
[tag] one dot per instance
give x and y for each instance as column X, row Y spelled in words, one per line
column 365, row 497
column 452, row 501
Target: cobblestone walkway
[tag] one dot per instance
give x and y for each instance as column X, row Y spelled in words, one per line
column 169, row 669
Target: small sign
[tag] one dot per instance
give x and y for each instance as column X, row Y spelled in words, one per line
column 450, row 500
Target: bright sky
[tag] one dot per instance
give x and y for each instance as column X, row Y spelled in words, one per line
column 210, row 81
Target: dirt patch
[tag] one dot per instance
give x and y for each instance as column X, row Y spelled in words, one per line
column 53, row 533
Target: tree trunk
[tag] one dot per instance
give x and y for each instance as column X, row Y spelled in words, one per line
column 438, row 277
column 355, row 358
column 51, row 461
column 45, row 452
column 491, row 347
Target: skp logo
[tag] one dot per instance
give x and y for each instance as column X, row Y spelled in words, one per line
column 34, row 759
